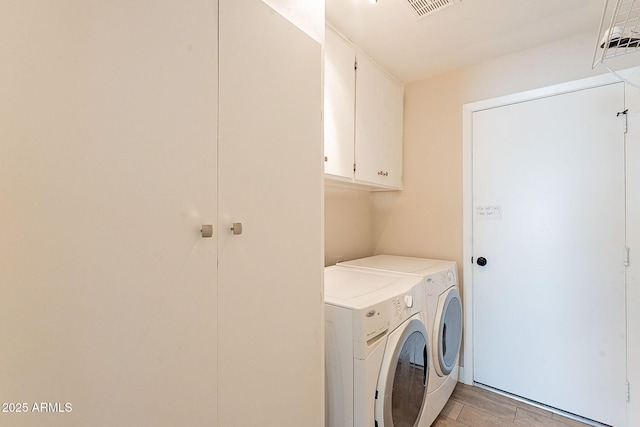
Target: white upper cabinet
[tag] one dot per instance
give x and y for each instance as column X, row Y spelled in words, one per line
column 363, row 119
column 339, row 99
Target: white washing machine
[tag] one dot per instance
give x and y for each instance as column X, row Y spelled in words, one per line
column 377, row 348
column 444, row 310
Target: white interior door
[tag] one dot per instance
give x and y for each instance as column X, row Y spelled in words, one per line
column 549, row 218
column 632, row 98
column 107, row 172
column 270, row 180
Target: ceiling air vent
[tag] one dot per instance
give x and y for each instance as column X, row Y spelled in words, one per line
column 422, row 8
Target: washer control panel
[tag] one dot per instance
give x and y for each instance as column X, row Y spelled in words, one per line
column 408, row 300
column 372, row 321
column 405, row 305
column 370, row 325
column 402, row 306
column 375, row 322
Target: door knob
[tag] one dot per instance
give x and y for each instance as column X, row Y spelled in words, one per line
column 236, row 227
column 482, row 261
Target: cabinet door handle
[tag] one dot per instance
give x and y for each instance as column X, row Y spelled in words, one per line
column 236, row 227
column 207, row 230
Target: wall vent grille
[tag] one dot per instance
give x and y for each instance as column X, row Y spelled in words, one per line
column 422, row 8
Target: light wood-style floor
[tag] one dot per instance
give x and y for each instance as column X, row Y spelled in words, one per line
column 471, row 406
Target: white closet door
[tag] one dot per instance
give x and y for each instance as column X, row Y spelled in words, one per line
column 270, row 180
column 549, row 218
column 107, row 172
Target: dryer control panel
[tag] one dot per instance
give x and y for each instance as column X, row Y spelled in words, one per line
column 439, row 282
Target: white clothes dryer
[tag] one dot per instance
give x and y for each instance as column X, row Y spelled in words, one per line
column 445, row 322
column 377, row 348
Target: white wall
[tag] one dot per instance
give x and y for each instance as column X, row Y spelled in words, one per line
column 348, row 225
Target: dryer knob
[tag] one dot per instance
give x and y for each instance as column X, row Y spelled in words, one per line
column 408, row 301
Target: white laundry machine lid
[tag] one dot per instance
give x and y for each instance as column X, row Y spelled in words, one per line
column 420, row 266
column 354, row 288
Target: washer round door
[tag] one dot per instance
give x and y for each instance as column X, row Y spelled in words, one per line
column 402, row 385
column 448, row 335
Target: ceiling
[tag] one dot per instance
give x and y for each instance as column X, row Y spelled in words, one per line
column 459, row 35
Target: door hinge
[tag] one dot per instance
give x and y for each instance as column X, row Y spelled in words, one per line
column 355, row 64
column 354, row 167
column 628, row 391
column 626, row 256
column 624, row 119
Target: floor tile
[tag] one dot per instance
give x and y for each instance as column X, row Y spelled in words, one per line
column 568, row 421
column 475, row 417
column 452, row 409
column 488, row 402
column 443, row 421
column 528, row 418
column 471, row 406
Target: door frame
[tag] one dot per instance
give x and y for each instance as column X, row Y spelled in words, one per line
column 467, row 370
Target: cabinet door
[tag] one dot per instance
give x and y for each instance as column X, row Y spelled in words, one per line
column 270, row 180
column 378, row 144
column 339, row 103
column 107, row 172
column 391, row 145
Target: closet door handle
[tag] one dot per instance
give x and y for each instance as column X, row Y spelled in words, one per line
column 206, row 230
column 236, row 227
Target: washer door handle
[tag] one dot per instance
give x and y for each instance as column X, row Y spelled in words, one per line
column 425, row 363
